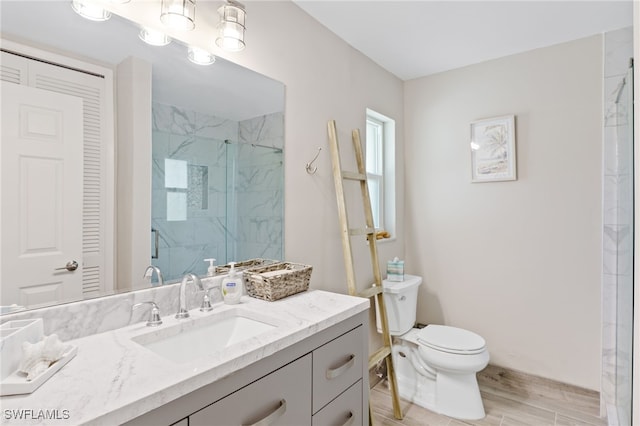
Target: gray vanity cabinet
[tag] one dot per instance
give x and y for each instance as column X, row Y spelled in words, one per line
column 336, row 366
column 322, row 380
column 281, row 398
column 345, row 410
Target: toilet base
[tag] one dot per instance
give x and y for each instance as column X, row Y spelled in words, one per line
column 420, row 391
column 459, row 396
column 450, row 394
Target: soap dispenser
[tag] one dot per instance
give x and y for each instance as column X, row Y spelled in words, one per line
column 211, row 271
column 232, row 286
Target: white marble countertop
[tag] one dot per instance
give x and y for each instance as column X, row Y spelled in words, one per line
column 113, row 379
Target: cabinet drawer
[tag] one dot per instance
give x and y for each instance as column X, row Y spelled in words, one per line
column 281, row 398
column 345, row 410
column 336, row 366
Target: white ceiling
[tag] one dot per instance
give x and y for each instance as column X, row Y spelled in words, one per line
column 412, row 39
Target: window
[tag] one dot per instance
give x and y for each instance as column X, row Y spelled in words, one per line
column 380, row 166
column 375, row 169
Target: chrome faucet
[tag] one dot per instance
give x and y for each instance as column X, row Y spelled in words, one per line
column 154, row 314
column 183, row 311
column 206, row 299
column 148, row 274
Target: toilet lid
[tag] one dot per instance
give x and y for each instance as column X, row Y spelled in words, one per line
column 451, row 339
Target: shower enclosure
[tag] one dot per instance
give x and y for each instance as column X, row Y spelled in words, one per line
column 618, row 231
column 214, row 196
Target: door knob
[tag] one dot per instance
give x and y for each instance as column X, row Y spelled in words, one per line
column 70, row 266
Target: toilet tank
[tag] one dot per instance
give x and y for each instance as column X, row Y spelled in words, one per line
column 400, row 300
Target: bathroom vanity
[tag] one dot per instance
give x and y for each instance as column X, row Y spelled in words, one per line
column 317, row 381
column 309, row 368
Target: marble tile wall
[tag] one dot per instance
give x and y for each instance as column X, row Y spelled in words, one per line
column 265, row 130
column 617, row 279
column 84, row 318
column 231, row 202
column 258, row 184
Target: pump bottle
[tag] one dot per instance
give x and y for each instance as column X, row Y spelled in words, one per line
column 232, row 286
column 211, row 271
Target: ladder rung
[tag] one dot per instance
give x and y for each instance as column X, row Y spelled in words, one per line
column 371, row 291
column 362, row 231
column 353, row 176
column 378, row 356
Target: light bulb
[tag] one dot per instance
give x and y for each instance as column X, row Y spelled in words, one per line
column 230, row 37
column 153, row 37
column 90, row 11
column 178, row 14
column 200, row 56
column 231, row 27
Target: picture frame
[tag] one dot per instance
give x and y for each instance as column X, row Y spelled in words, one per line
column 493, row 149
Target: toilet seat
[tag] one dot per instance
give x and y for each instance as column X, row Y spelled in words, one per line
column 451, row 340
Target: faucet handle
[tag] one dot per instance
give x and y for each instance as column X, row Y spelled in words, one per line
column 154, row 315
column 206, row 300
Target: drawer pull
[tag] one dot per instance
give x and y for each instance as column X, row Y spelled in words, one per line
column 349, row 421
column 271, row 418
column 332, row 373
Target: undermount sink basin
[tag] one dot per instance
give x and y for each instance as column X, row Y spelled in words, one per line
column 200, row 337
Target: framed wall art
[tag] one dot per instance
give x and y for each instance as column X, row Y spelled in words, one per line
column 493, row 149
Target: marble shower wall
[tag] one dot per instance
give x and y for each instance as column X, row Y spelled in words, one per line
column 617, row 279
column 258, row 185
column 215, row 194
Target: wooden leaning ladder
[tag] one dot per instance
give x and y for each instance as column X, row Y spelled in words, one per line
column 339, row 176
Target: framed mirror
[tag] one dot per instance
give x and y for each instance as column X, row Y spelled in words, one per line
column 215, row 160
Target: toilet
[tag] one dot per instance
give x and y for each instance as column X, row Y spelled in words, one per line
column 435, row 366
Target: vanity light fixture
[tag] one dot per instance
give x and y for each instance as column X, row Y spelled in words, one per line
column 200, row 56
column 231, row 27
column 90, row 11
column 154, row 37
column 179, row 14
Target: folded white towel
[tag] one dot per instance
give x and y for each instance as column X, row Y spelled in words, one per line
column 37, row 357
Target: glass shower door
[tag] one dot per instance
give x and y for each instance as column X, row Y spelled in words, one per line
column 214, row 199
column 619, row 258
column 624, row 331
column 189, row 203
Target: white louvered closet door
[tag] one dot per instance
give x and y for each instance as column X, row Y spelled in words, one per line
column 13, row 69
column 92, row 89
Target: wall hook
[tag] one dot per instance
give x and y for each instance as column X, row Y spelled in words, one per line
column 309, row 166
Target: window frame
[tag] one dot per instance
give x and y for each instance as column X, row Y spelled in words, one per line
column 376, row 175
column 387, row 190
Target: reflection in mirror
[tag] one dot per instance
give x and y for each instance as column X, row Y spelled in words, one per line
column 213, row 196
column 217, row 139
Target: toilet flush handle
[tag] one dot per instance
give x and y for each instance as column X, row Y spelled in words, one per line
column 402, row 298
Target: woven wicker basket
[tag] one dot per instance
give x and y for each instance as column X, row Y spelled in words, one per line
column 245, row 264
column 277, row 280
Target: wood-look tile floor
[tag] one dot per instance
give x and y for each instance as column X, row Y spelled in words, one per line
column 509, row 400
